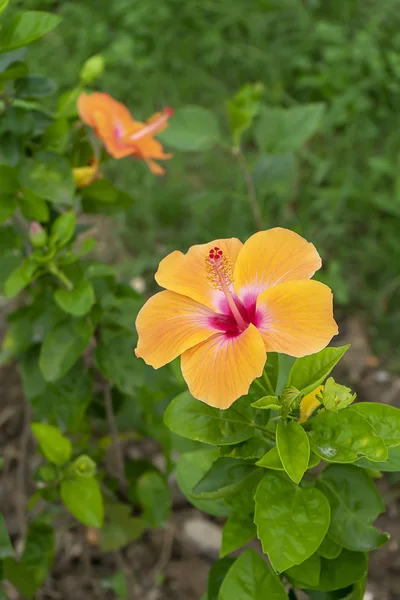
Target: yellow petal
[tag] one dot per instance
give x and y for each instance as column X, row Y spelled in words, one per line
column 271, row 257
column 168, row 324
column 84, row 176
column 222, row 368
column 186, row 273
column 296, row 317
column 309, row 403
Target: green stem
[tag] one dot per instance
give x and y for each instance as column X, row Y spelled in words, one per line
column 268, row 384
column 251, row 190
column 266, row 432
column 61, row 276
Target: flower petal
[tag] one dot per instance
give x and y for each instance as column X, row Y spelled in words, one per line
column 271, row 257
column 309, row 403
column 186, row 273
column 296, row 317
column 168, row 324
column 222, row 368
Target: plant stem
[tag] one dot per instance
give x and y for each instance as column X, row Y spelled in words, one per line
column 251, row 190
column 268, row 384
column 61, row 276
column 119, row 459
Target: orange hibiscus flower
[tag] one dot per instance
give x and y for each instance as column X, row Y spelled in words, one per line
column 227, row 304
column 120, row 133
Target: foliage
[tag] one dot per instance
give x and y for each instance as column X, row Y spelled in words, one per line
column 70, row 323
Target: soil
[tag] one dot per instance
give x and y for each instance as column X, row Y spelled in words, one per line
column 168, row 564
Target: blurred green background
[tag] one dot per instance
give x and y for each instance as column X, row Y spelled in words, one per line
column 342, row 191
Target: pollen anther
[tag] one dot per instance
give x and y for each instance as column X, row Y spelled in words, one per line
column 219, row 269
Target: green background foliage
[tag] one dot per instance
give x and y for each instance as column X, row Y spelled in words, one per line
column 341, row 190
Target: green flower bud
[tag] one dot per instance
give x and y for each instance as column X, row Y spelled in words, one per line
column 84, row 466
column 336, row 396
column 92, row 68
column 37, row 235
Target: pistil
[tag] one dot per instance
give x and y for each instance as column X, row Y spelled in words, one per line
column 219, row 274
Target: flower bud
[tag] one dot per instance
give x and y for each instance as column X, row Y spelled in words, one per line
column 92, row 68
column 37, row 235
column 84, row 466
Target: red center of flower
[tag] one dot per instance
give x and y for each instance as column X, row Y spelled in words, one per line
column 220, row 276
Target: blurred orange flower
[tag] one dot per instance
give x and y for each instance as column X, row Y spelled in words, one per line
column 84, row 176
column 120, row 133
column 227, row 304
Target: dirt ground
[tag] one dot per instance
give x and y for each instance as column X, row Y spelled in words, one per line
column 173, row 564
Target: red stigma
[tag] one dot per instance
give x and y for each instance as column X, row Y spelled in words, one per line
column 168, row 111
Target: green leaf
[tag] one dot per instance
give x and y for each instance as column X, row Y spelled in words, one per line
column 251, row 449
column 227, row 476
column 49, row 176
column 16, row 70
column 20, row 278
column 309, row 571
column 56, row 136
column 344, row 437
column 30, row 572
column 216, row 576
column 195, row 420
column 67, row 103
column 238, row 530
column 275, row 173
column 63, row 402
column 191, row 467
column 82, row 497
column 35, row 86
column 117, row 362
column 355, row 504
column 63, row 229
column 8, row 180
column 329, row 548
column 192, row 129
column 291, row 521
column 3, row 5
column 282, row 130
column 384, row 419
column 34, row 207
column 54, row 445
column 27, row 27
column 6, row 548
column 62, row 346
column 8, row 204
column 337, row 574
column 77, row 301
column 272, row 460
column 293, row 448
column 250, row 577
column 270, row 402
column 120, row 527
column 244, row 502
column 155, row 497
column 391, row 465
column 102, row 197
column 310, row 371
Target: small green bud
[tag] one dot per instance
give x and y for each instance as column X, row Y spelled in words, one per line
column 37, row 235
column 92, row 69
column 336, row 396
column 290, row 398
column 84, row 466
